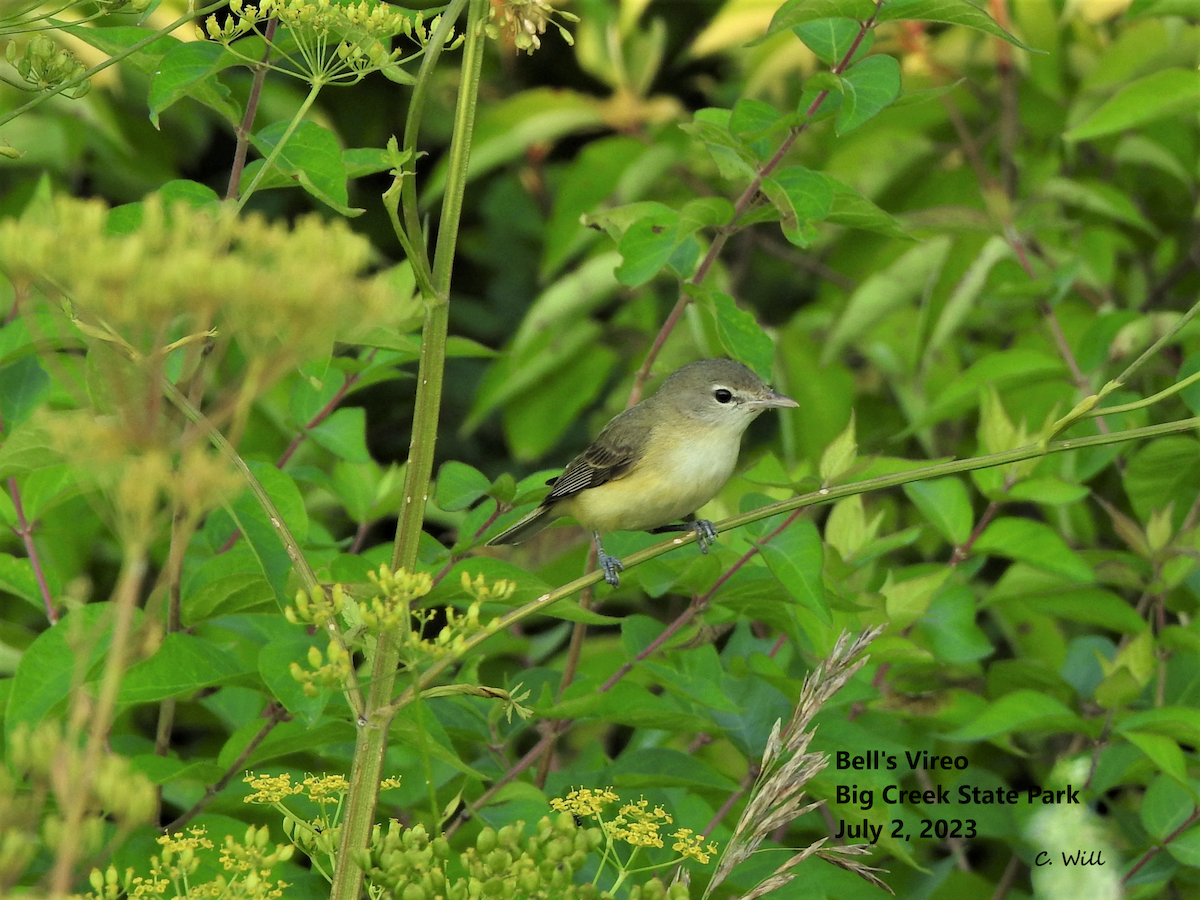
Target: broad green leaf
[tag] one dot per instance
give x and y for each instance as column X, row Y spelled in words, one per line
column 182, row 664
column 1179, row 722
column 950, row 12
column 344, row 434
column 1048, row 490
column 840, row 455
column 274, row 667
column 661, row 767
column 313, row 157
column 1169, row 92
column 1165, row 806
column 1034, row 543
column 296, row 736
column 703, row 212
column 906, row 601
column 948, row 627
column 593, row 176
column 1000, row 369
column 831, row 39
column 752, row 120
column 181, row 68
column 459, row 485
column 58, row 656
column 1016, row 712
column 536, row 420
column 1098, row 197
column 1186, row 847
column 797, row 12
column 868, row 87
column 645, row 247
column 966, row 292
column 852, row 209
column 1163, row 471
column 232, row 593
column 796, row 558
column 802, row 197
column 256, row 527
column 946, row 504
column 742, row 336
column 884, row 292
column 1163, row 752
column 1092, row 606
column 23, row 385
column 628, row 704
column 18, row 578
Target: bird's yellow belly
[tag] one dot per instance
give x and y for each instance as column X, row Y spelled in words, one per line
column 678, row 479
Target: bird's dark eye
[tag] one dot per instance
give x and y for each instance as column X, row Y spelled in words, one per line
column 722, row 395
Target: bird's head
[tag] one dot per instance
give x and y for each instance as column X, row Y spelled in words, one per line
column 721, row 392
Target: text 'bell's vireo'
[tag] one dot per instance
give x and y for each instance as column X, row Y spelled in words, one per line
column 658, row 462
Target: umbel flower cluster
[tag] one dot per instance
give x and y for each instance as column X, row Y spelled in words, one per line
column 334, row 42
column 509, row 864
column 284, row 292
column 44, row 65
column 247, row 866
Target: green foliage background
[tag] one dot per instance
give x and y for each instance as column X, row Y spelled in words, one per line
column 946, row 232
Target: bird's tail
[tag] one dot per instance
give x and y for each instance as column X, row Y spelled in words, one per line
column 525, row 528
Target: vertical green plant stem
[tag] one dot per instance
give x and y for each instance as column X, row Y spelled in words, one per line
column 278, row 148
column 372, row 734
column 125, row 597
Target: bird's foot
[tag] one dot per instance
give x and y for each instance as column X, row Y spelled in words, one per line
column 611, row 566
column 706, row 533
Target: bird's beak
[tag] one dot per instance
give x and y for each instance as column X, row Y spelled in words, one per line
column 772, row 400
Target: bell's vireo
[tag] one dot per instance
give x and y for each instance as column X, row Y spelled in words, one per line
column 659, row 461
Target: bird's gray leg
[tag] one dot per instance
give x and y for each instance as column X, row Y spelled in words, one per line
column 706, row 531
column 609, row 565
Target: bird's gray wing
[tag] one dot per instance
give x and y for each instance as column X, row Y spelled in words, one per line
column 606, row 460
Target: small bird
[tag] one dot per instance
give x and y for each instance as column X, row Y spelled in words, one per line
column 659, row 461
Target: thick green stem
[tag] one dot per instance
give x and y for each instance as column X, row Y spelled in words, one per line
column 815, row 498
column 372, row 734
column 278, row 148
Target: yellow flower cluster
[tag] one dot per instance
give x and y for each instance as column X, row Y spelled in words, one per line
column 691, row 846
column 389, row 609
column 497, row 592
column 638, row 825
column 585, row 801
column 326, row 788
column 271, row 788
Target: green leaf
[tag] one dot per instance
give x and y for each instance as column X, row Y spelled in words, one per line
column 227, row 594
column 23, row 385
column 906, row 601
column 803, row 197
column 1186, row 847
column 18, row 578
column 852, row 209
column 313, row 157
column 1000, row 369
column 58, row 656
column 661, row 767
column 797, row 12
column 536, row 420
column 884, row 292
column 1165, row 806
column 1047, row 490
column 796, row 557
column 1034, row 543
column 255, row 526
column 645, row 247
column 1163, row 752
column 344, row 434
column 459, row 485
column 950, row 12
column 946, row 504
column 1169, row 92
column 1097, row 197
column 840, row 455
column 1179, row 722
column 1015, row 712
column 868, row 88
column 1165, row 470
column 741, row 335
column 181, row 68
column 948, row 627
column 274, row 667
column 182, row 665
column 830, row 39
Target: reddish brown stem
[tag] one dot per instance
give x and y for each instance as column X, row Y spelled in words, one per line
column 247, row 124
column 1154, row 851
column 24, row 531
